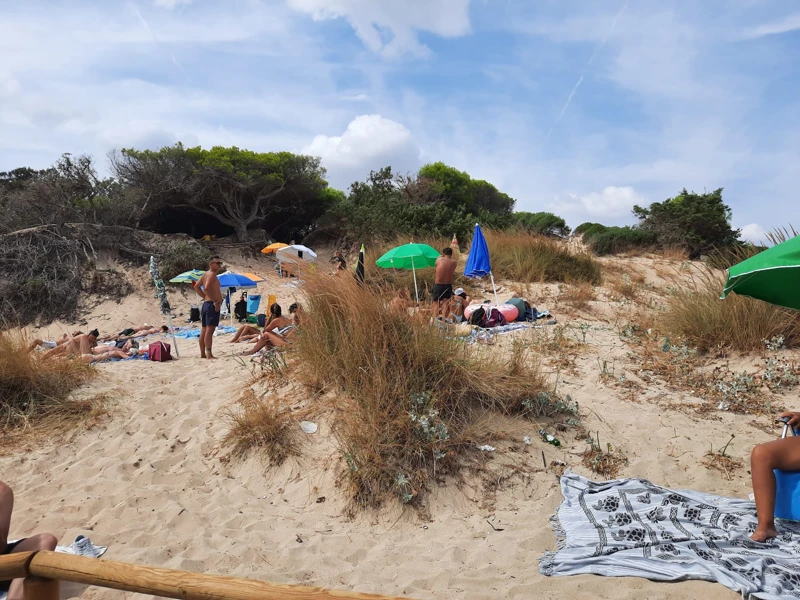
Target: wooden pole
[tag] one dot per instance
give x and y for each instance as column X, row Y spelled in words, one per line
column 176, row 584
column 14, row 566
column 35, row 588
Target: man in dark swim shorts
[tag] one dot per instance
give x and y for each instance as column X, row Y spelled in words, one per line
column 443, row 288
column 208, row 289
column 42, row 541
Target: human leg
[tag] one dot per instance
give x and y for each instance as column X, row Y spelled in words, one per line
column 210, row 340
column 781, row 454
column 39, row 542
column 202, row 340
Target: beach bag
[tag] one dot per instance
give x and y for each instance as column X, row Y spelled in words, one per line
column 262, row 320
column 194, row 314
column 496, row 318
column 159, row 352
column 478, row 317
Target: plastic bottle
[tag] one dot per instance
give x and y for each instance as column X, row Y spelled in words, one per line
column 550, row 439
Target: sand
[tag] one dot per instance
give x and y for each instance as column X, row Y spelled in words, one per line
column 153, row 483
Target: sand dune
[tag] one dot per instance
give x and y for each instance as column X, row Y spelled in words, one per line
column 153, row 484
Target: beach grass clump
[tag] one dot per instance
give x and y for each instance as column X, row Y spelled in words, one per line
column 696, row 314
column 411, row 394
column 261, row 423
column 534, row 259
column 36, row 392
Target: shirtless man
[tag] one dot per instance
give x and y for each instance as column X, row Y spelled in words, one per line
column 208, row 289
column 77, row 346
column 443, row 288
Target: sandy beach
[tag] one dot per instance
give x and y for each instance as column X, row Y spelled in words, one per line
column 153, row 483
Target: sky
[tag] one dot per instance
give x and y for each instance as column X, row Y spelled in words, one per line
column 575, row 107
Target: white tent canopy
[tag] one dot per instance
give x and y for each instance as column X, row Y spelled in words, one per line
column 296, row 254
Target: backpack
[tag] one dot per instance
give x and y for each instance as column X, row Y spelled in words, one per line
column 240, row 310
column 478, row 317
column 496, row 318
column 159, row 352
column 261, row 320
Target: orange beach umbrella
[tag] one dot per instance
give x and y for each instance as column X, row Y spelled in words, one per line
column 274, row 247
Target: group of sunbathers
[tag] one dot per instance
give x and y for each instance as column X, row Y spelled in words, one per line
column 276, row 333
column 90, row 348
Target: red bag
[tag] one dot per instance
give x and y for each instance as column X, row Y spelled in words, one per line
column 159, row 352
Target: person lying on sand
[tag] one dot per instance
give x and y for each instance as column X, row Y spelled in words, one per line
column 137, row 332
column 77, row 346
column 401, row 302
column 279, row 332
column 40, row 541
column 50, row 344
column 103, row 353
column 783, row 454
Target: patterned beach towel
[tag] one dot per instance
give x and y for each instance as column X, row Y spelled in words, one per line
column 631, row 527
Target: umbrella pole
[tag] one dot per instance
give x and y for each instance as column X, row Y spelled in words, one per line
column 229, row 306
column 494, row 289
column 414, row 271
column 172, row 330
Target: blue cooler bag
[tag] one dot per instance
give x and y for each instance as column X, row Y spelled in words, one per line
column 787, row 490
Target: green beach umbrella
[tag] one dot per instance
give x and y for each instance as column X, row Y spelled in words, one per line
column 409, row 256
column 188, row 277
column 772, row 275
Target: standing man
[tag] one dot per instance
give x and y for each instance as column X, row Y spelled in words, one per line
column 443, row 287
column 208, row 289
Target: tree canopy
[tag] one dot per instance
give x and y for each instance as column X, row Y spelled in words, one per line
column 545, row 223
column 281, row 192
column 697, row 222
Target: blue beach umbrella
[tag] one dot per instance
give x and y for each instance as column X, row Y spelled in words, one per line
column 478, row 263
column 188, row 277
column 237, row 280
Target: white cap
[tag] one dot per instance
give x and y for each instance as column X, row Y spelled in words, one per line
column 458, row 291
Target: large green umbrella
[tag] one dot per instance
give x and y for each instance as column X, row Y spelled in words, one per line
column 772, row 275
column 409, row 256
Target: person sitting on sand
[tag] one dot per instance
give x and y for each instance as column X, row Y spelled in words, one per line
column 338, row 262
column 279, row 332
column 783, row 454
column 247, row 333
column 40, row 541
column 103, row 353
column 460, row 301
column 400, row 303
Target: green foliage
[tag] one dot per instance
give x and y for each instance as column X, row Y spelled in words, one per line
column 609, row 240
column 459, row 191
column 281, row 192
column 583, row 228
column 545, row 223
column 386, row 206
column 181, row 257
column 697, row 222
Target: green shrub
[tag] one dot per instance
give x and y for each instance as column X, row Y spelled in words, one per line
column 611, row 240
column 181, row 257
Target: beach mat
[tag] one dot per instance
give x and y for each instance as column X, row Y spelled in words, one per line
column 631, row 527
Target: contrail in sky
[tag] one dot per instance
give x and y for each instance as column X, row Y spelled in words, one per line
column 146, row 25
column 600, row 46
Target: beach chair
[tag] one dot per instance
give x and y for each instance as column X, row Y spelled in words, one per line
column 253, row 302
column 787, row 488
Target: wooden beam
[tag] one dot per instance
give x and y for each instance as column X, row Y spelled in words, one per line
column 15, row 565
column 176, row 584
column 34, row 588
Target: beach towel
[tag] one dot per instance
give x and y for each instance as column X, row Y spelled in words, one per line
column 193, row 334
column 631, row 527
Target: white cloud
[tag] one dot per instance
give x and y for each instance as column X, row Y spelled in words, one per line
column 785, row 25
column 389, row 27
column 753, row 233
column 612, row 202
column 170, row 4
column 370, row 142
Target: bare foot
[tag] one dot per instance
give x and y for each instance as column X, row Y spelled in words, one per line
column 762, row 535
column 211, row 356
column 202, row 355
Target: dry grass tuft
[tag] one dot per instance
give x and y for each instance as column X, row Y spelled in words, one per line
column 530, row 258
column 260, row 422
column 720, row 461
column 412, row 396
column 605, row 463
column 696, row 314
column 579, row 296
column 35, row 391
column 676, row 253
